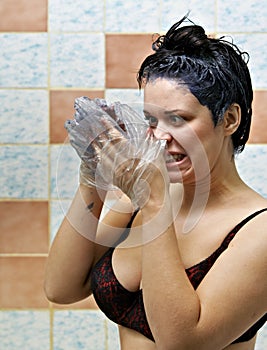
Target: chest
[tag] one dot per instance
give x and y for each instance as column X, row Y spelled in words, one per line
column 200, row 242
column 195, row 246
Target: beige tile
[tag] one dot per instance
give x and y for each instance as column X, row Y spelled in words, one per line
column 23, row 15
column 124, row 54
column 22, row 282
column 258, row 132
column 61, row 109
column 23, row 227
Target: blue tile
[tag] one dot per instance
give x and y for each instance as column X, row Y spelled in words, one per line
column 252, row 167
column 23, row 60
column 201, row 13
column 27, row 114
column 132, row 16
column 261, row 342
column 255, row 45
column 132, row 97
column 74, row 16
column 79, row 330
column 64, row 171
column 25, row 330
column 113, row 336
column 58, row 209
column 242, row 16
column 77, row 60
column 24, row 172
column 124, row 95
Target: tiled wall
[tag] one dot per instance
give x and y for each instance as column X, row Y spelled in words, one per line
column 52, row 51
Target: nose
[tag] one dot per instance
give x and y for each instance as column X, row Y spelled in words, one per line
column 162, row 134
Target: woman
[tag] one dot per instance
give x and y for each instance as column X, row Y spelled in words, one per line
column 198, row 281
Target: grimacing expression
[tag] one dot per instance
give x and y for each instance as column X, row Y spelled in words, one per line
column 175, row 115
column 214, row 70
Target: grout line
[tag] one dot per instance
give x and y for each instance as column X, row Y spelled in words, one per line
column 11, row 199
column 23, row 255
column 106, row 333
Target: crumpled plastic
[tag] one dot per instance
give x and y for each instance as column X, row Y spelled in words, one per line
column 114, row 145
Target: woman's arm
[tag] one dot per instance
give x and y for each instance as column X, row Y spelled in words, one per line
column 72, row 252
column 228, row 301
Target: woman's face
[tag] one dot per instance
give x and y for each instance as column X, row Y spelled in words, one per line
column 193, row 144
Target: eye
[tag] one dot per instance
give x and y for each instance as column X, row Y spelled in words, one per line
column 176, row 119
column 152, row 121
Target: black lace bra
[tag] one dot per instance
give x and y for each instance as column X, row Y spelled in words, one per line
column 127, row 309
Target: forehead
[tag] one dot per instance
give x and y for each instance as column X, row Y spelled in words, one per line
column 167, row 95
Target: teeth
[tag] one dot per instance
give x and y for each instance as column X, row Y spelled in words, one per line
column 178, row 156
column 174, row 158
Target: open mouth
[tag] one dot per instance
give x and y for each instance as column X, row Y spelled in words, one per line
column 177, row 157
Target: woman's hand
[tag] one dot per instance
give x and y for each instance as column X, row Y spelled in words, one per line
column 135, row 167
column 116, row 149
column 84, row 129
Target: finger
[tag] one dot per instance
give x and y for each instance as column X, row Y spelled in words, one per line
column 107, row 108
column 113, row 131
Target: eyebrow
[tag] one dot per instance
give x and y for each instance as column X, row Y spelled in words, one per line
column 175, row 111
column 169, row 112
column 145, row 111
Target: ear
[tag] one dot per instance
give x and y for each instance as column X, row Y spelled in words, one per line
column 232, row 118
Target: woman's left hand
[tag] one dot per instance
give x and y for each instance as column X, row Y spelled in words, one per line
column 133, row 164
column 114, row 144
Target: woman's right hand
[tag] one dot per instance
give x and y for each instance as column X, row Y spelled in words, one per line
column 116, row 149
column 85, row 132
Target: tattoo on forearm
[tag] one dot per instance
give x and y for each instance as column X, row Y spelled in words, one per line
column 90, row 206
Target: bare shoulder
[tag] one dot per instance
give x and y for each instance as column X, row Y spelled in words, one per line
column 244, row 262
column 254, row 234
column 250, row 240
column 251, row 211
column 257, row 224
column 236, row 284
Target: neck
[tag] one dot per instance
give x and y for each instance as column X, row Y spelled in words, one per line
column 216, row 188
column 205, row 195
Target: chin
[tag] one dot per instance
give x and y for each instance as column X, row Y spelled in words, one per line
column 182, row 177
column 175, row 178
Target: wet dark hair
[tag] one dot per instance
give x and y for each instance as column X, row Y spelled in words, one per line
column 214, row 70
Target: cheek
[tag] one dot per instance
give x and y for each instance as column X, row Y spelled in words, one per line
column 212, row 138
column 190, row 139
column 193, row 136
column 200, row 145
column 212, row 143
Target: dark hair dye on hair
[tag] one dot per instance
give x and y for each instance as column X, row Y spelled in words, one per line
column 214, row 70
